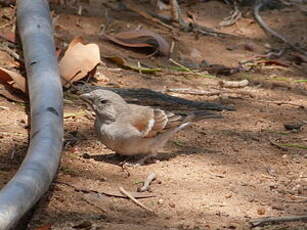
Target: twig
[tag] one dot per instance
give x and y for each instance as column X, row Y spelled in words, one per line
column 182, row 24
column 106, row 193
column 276, row 220
column 133, row 8
column 151, row 177
column 13, row 154
column 278, row 146
column 296, row 201
column 217, row 92
column 124, row 192
column 233, row 18
column 268, row 30
column 11, row 53
column 189, row 70
column 234, row 84
column 282, row 103
column 171, row 50
column 192, row 91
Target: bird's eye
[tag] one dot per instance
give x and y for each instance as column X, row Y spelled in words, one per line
column 103, row 101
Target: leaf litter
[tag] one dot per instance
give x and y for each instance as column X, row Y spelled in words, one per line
column 78, row 61
column 141, row 39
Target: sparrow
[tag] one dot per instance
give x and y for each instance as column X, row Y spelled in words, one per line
column 130, row 129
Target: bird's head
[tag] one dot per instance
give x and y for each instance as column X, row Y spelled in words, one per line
column 106, row 104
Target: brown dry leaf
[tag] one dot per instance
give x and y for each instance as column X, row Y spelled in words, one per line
column 12, row 96
column 13, row 79
column 75, row 41
column 140, row 39
column 78, row 61
column 8, row 36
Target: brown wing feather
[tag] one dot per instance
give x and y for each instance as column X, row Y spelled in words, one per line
column 142, row 119
column 151, row 122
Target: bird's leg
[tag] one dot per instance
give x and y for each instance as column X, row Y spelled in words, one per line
column 139, row 162
column 145, row 158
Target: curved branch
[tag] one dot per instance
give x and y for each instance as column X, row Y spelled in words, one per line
column 40, row 165
column 259, row 4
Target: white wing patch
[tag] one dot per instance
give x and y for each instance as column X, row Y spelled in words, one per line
column 149, row 126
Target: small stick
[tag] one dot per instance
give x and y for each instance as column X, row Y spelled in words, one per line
column 233, row 18
column 278, row 146
column 192, row 91
column 12, row 53
column 171, row 50
column 276, row 220
column 151, row 177
column 234, row 84
column 270, row 31
column 131, row 7
column 184, row 68
column 124, row 192
column 282, row 103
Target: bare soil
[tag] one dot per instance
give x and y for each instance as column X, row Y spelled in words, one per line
column 218, row 174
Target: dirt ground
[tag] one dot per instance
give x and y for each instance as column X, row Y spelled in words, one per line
column 217, row 174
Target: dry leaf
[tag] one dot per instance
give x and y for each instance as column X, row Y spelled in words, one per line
column 8, row 36
column 75, row 41
column 13, row 79
column 78, row 61
column 11, row 95
column 141, row 39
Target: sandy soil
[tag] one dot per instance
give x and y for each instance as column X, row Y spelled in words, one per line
column 218, row 174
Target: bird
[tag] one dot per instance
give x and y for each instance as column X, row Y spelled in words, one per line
column 131, row 129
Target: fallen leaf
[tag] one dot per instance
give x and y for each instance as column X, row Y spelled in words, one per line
column 13, row 79
column 140, row 39
column 12, row 96
column 78, row 61
column 8, row 36
column 75, row 41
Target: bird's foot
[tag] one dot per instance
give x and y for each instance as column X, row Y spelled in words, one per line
column 139, row 162
column 125, row 164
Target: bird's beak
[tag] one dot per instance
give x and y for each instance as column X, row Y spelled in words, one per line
column 87, row 97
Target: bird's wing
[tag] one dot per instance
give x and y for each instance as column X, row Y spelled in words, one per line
column 142, row 119
column 150, row 121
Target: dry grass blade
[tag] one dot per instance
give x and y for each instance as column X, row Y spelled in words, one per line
column 124, row 192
